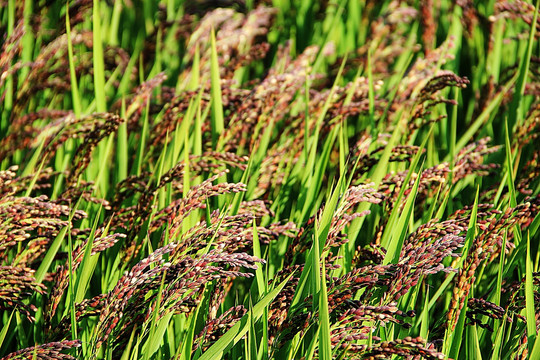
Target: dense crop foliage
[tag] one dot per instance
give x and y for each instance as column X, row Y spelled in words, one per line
column 269, row 179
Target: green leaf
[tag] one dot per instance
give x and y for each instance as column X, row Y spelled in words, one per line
column 325, row 343
column 89, row 262
column 530, row 313
column 122, row 146
column 157, row 336
column 158, row 324
column 424, row 317
column 497, row 345
column 51, row 253
column 187, row 344
column 473, row 347
column 393, row 226
column 5, row 329
column 509, row 167
column 259, row 276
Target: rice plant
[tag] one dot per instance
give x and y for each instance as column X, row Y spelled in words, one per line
column 242, row 179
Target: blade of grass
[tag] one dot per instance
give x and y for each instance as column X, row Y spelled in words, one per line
column 122, row 146
column 140, row 154
column 89, row 262
column 396, row 211
column 186, row 346
column 158, row 325
column 473, row 346
column 71, row 287
column 5, row 328
column 127, row 351
column 535, row 352
column 259, row 275
column 509, row 167
column 325, row 343
column 530, row 313
column 498, row 343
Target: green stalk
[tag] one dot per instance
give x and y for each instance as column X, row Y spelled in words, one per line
column 77, row 107
column 98, row 60
column 217, row 106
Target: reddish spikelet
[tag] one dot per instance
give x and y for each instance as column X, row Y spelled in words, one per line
column 428, row 24
column 387, row 37
column 422, row 71
column 358, row 321
column 342, row 289
column 50, row 351
column 284, row 322
column 110, row 123
column 517, row 9
column 368, row 159
column 470, row 16
column 407, row 347
column 268, row 100
column 352, row 197
column 141, row 98
column 184, row 277
column 196, row 199
column 11, row 47
column 430, row 179
column 82, row 190
column 476, row 308
column 516, row 304
column 16, row 285
column 33, row 221
column 429, row 97
column 23, row 132
column 421, row 259
column 173, row 115
column 208, row 162
column 529, row 174
column 133, row 217
column 341, row 217
column 50, row 68
column 86, row 308
column 233, row 233
column 529, row 130
column 487, row 244
column 61, row 278
column 133, row 281
column 189, row 275
column 214, row 329
column 91, row 129
column 234, row 33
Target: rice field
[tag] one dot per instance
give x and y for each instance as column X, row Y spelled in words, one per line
column 243, row 179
